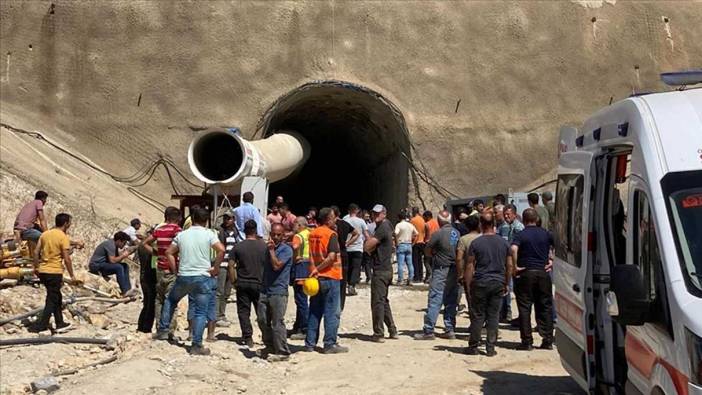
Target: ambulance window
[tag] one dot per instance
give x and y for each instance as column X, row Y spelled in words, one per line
column 569, row 218
column 647, row 257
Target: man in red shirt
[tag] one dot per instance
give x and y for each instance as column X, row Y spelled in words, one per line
column 29, row 215
column 163, row 236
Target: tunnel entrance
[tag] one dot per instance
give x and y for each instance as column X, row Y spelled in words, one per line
column 357, row 140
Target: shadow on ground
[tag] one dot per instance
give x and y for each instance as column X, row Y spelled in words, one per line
column 508, row 383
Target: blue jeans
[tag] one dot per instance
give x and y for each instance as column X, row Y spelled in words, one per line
column 200, row 289
column 325, row 304
column 404, row 257
column 120, row 270
column 211, row 304
column 443, row 290
column 31, row 234
column 302, row 310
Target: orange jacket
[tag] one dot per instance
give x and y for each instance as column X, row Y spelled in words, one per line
column 319, row 240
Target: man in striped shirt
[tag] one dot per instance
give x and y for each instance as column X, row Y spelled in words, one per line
column 163, row 235
column 229, row 236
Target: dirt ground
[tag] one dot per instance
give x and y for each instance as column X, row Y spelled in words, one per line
column 404, row 366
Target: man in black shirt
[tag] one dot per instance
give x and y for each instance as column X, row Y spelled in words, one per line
column 347, row 235
column 531, row 250
column 488, row 271
column 246, row 262
column 379, row 246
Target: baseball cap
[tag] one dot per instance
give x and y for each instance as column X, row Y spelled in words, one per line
column 378, row 208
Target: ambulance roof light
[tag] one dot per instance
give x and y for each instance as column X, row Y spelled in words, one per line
column 682, row 78
column 623, row 129
column 596, row 134
column 579, row 141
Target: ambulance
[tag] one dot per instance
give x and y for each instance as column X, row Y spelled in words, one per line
column 628, row 244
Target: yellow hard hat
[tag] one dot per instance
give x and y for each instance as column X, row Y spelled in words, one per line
column 311, row 286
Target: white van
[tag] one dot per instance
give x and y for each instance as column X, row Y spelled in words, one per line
column 628, row 253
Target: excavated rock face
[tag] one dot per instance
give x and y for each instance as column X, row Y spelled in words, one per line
column 481, row 88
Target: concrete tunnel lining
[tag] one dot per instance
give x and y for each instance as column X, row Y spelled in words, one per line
column 357, row 138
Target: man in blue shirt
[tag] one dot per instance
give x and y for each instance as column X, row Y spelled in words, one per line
column 514, row 226
column 274, row 295
column 531, row 249
column 246, row 212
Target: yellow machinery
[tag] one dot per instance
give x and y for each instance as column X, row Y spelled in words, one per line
column 15, row 254
column 16, row 273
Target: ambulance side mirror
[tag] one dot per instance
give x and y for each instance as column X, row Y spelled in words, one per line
column 632, row 301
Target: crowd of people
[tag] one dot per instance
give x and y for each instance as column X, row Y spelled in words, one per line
column 479, row 252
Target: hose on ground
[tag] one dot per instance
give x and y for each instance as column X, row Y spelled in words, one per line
column 51, row 339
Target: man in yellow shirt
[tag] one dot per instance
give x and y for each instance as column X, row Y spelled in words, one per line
column 50, row 256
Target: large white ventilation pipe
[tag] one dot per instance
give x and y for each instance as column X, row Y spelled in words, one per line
column 222, row 156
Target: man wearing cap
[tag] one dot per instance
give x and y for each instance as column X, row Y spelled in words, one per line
column 325, row 264
column 443, row 288
column 228, row 236
column 379, row 246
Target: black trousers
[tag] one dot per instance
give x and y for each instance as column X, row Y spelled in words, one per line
column 148, row 310
column 367, row 266
column 533, row 287
column 54, row 300
column 485, row 301
column 418, row 261
column 355, row 260
column 380, row 304
column 344, row 278
column 247, row 295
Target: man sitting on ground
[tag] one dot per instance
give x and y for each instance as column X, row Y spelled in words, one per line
column 105, row 261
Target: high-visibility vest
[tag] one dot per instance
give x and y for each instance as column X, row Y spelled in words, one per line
column 303, row 253
column 319, row 248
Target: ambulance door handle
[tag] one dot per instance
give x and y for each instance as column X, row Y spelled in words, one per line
column 576, row 288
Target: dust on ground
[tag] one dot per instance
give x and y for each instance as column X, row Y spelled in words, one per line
column 145, row 366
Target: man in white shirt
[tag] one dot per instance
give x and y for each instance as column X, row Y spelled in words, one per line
column 196, row 276
column 355, row 249
column 405, row 233
column 132, row 229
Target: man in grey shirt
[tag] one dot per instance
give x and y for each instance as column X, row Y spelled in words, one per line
column 443, row 288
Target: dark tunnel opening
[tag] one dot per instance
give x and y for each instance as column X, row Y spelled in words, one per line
column 357, row 138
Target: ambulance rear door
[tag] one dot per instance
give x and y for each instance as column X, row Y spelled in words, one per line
column 572, row 272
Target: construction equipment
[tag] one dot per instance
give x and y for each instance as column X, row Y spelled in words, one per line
column 16, row 273
column 14, row 254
